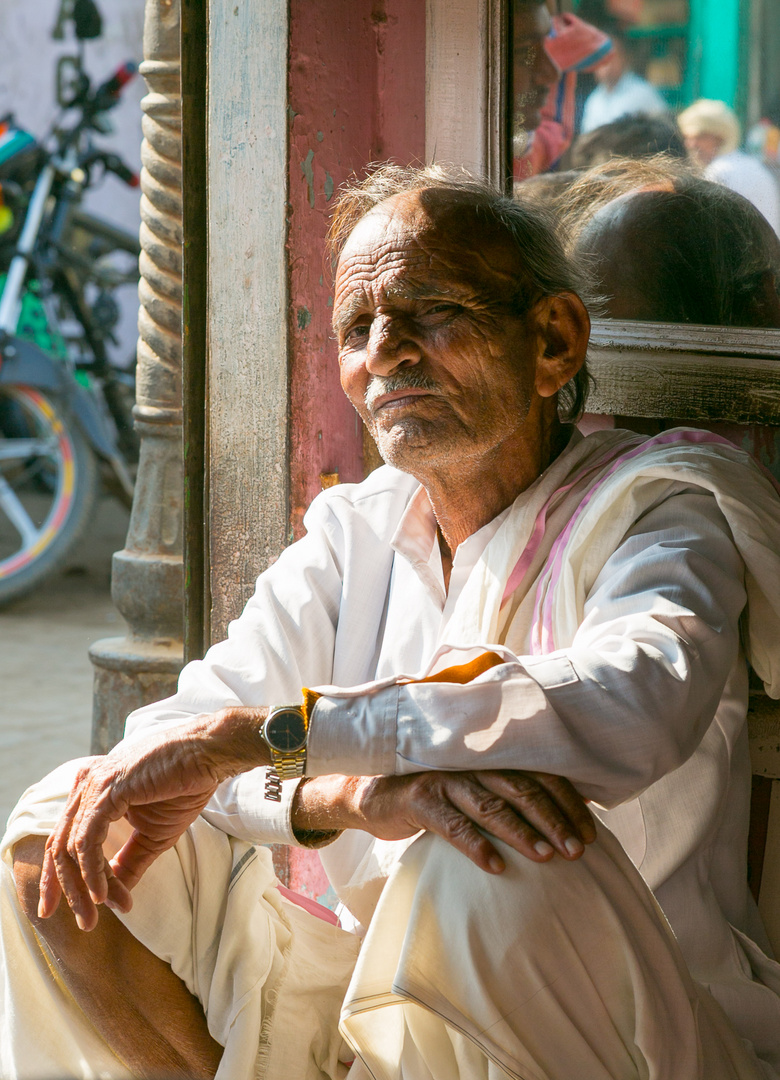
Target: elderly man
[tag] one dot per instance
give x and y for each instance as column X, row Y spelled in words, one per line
column 505, row 605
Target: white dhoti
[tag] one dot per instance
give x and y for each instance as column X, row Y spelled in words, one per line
column 547, row 972
column 270, row 976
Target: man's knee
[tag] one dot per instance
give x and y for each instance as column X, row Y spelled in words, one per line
column 531, row 896
column 28, row 860
column 60, row 931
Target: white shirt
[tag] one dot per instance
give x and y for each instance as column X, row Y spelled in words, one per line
column 749, row 178
column 644, row 713
column 630, row 94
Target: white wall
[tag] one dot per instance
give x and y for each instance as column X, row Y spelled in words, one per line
column 28, row 56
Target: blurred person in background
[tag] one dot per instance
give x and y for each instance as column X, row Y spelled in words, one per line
column 712, row 135
column 620, row 91
column 634, row 136
column 548, row 53
column 665, row 245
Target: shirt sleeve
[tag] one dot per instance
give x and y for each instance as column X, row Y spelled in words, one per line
column 627, row 703
column 286, row 631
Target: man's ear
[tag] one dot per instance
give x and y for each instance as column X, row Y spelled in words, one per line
column 563, row 327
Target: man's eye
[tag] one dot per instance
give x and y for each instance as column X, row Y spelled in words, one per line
column 526, row 56
column 444, row 309
column 356, row 332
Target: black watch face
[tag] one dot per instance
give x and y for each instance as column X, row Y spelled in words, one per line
column 285, row 731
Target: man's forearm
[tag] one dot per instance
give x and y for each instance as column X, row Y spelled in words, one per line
column 327, row 804
column 535, row 813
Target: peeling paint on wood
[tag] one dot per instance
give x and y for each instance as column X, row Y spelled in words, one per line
column 356, row 94
column 248, row 370
column 703, row 388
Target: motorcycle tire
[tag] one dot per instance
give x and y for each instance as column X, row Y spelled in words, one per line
column 39, row 527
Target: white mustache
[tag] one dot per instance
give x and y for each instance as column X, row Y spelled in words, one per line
column 391, row 383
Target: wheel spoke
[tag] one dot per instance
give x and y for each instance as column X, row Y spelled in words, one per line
column 14, row 449
column 13, row 508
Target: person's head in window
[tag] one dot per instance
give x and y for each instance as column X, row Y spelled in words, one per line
column 665, row 245
column 533, row 71
column 634, row 136
column 710, row 129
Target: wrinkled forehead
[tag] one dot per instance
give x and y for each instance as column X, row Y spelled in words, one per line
column 429, row 235
column 531, row 19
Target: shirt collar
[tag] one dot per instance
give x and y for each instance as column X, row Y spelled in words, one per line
column 416, row 537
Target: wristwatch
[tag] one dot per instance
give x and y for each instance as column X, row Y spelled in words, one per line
column 284, row 731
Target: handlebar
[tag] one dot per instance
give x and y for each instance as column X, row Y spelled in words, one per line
column 102, row 99
column 115, row 165
column 111, row 163
column 107, row 94
column 93, row 104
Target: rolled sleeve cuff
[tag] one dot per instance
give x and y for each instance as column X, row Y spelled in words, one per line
column 354, row 736
column 241, row 809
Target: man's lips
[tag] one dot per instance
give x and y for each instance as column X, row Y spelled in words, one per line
column 533, row 104
column 397, row 398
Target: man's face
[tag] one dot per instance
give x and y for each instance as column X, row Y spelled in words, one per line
column 703, row 148
column 432, row 353
column 534, row 71
column 610, row 71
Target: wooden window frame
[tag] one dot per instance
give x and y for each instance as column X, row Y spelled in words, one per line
column 704, row 373
column 641, row 369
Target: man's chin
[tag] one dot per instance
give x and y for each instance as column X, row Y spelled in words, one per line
column 530, row 121
column 403, row 449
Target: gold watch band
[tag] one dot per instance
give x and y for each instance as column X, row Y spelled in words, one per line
column 290, row 766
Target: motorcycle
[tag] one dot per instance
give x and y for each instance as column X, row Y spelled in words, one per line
column 65, row 406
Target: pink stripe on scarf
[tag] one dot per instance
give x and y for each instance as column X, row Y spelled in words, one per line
column 543, row 640
column 531, row 548
column 319, row 911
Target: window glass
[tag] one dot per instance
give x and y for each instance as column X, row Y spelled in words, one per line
column 694, row 239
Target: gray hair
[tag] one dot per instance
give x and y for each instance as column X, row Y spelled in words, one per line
column 528, row 228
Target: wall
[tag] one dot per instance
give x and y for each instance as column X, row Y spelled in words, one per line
column 356, row 95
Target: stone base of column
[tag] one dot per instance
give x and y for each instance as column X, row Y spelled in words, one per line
column 128, row 674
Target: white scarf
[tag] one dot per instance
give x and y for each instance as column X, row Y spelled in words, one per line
column 558, row 534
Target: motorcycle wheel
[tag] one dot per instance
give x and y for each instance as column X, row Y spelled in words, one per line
column 39, row 527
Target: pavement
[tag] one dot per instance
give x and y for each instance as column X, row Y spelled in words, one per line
column 45, row 672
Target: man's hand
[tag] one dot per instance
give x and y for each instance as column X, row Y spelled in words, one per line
column 535, row 813
column 159, row 784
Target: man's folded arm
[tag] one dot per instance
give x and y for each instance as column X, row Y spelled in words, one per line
column 626, row 703
column 286, row 628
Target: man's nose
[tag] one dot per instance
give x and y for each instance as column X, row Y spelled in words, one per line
column 391, row 344
column 546, row 71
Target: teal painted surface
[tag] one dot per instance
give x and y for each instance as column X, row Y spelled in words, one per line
column 713, row 67
column 713, row 56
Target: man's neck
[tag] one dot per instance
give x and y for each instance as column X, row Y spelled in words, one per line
column 611, row 84
column 466, row 498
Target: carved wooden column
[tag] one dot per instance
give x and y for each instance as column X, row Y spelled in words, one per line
column 146, row 583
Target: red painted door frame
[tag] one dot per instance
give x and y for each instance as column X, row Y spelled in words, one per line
column 356, row 95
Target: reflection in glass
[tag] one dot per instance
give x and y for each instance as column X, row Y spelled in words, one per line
column 667, row 54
